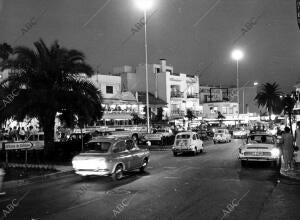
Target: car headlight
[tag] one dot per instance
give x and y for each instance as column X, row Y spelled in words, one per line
column 275, row 152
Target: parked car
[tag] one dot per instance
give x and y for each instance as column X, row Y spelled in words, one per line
column 162, row 136
column 260, row 147
column 221, row 135
column 110, row 156
column 187, row 142
column 240, row 133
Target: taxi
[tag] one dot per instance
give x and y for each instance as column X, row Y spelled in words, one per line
column 110, row 156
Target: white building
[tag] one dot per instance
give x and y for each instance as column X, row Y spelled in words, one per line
column 179, row 90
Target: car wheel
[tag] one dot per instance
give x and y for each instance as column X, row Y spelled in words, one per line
column 244, row 163
column 144, row 165
column 196, row 151
column 214, row 142
column 201, row 151
column 175, row 154
column 118, row 173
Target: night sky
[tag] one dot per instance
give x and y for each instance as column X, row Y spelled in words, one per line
column 195, row 36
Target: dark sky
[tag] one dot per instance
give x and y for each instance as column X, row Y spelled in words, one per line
column 195, row 36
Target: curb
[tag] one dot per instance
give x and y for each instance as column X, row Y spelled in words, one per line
column 289, row 176
column 37, row 179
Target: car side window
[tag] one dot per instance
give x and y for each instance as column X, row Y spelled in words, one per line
column 119, row 147
column 129, row 144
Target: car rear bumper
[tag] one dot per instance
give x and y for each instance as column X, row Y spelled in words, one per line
column 176, row 150
column 93, row 172
column 219, row 140
column 258, row 158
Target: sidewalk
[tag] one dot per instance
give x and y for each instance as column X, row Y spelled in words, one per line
column 61, row 171
column 291, row 174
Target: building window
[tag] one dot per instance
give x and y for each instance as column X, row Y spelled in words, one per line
column 109, row 89
column 157, row 70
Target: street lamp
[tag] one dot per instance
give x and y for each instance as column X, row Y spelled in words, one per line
column 237, row 55
column 146, row 5
column 244, row 86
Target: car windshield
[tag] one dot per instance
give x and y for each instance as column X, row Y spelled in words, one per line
column 97, row 147
column 261, row 139
column 183, row 136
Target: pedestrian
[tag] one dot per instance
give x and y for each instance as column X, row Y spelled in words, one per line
column 297, row 136
column 2, row 173
column 287, row 148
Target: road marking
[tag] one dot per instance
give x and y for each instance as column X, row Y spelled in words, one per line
column 171, row 177
column 170, row 167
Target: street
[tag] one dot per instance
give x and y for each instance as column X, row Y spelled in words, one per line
column 212, row 185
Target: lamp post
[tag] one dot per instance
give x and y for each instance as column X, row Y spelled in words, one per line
column 146, row 5
column 237, row 55
column 244, row 86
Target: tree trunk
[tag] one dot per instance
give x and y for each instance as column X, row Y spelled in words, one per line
column 48, row 122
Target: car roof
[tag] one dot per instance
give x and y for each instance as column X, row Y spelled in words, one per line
column 110, row 138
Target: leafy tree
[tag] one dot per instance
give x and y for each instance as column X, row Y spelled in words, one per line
column 49, row 81
column 288, row 103
column 269, row 97
column 5, row 51
column 220, row 117
column 190, row 115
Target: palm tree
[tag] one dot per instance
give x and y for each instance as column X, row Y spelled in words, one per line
column 288, row 103
column 49, row 81
column 269, row 97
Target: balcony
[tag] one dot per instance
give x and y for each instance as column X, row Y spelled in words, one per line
column 193, row 96
column 176, row 94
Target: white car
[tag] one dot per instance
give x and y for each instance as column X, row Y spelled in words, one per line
column 187, row 142
column 221, row 135
column 260, row 147
column 110, row 156
column 240, row 133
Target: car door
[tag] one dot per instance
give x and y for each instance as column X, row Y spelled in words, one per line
column 122, row 155
column 136, row 157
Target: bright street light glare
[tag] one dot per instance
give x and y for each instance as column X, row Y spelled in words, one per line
column 144, row 4
column 255, row 83
column 237, row 54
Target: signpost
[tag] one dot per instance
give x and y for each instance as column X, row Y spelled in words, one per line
column 17, row 146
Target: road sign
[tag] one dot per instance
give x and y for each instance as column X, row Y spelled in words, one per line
column 18, row 146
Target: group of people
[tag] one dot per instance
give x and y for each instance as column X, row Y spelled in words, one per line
column 289, row 145
column 16, row 134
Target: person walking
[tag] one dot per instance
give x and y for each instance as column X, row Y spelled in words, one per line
column 297, row 136
column 2, row 173
column 287, row 148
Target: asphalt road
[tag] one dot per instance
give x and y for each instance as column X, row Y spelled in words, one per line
column 212, row 185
